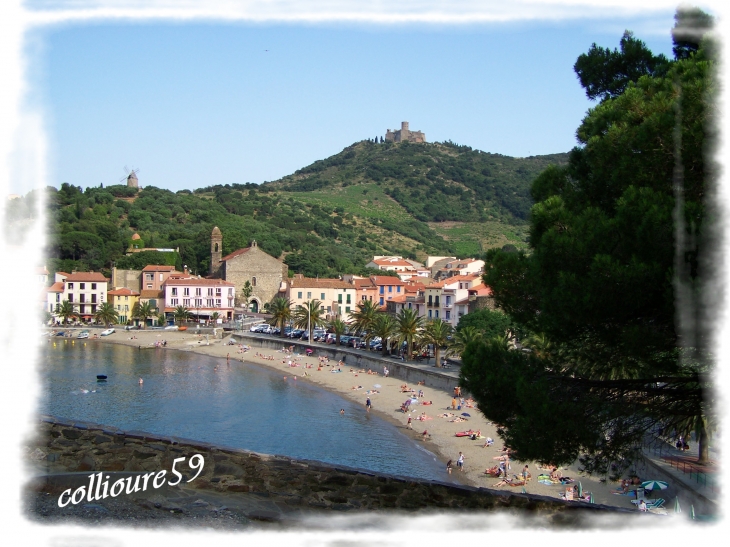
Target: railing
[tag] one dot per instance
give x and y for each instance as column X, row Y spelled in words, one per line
column 664, row 450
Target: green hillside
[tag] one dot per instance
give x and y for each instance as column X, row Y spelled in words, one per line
column 326, row 219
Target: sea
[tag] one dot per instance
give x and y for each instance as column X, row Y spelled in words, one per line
column 241, row 405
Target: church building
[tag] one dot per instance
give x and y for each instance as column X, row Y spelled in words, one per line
column 265, row 273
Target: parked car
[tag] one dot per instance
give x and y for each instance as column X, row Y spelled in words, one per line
column 354, row 341
column 318, row 335
column 295, row 333
column 344, row 339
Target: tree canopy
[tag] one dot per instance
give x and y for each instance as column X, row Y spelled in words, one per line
column 617, row 247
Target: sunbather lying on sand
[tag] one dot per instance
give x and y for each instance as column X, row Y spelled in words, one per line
column 493, row 471
column 358, row 387
column 459, row 419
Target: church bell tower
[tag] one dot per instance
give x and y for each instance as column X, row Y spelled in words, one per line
column 216, row 251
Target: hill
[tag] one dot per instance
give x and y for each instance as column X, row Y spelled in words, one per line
column 326, row 219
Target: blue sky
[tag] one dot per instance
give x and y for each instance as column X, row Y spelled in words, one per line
column 199, row 103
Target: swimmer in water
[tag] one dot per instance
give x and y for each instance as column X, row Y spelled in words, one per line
column 342, row 411
column 141, row 381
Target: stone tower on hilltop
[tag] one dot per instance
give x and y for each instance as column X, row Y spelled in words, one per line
column 216, row 251
column 132, row 180
column 404, row 134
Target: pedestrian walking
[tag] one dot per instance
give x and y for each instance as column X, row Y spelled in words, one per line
column 368, row 404
column 410, row 425
column 460, row 462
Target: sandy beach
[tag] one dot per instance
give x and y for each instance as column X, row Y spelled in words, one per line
column 386, row 401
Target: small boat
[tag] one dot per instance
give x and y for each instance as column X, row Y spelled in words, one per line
column 101, row 377
column 83, row 334
column 106, row 332
column 182, row 328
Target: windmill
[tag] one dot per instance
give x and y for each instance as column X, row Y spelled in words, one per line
column 131, row 177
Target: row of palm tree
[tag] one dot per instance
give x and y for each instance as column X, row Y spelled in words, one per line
column 406, row 326
column 105, row 312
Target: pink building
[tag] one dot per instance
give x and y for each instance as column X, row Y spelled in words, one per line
column 202, row 297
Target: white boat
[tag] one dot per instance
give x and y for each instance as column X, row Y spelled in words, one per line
column 107, row 332
column 83, row 334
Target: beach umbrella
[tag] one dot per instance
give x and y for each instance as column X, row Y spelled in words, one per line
column 677, row 508
column 376, row 385
column 580, row 490
column 466, row 414
column 654, row 485
column 523, row 490
column 692, row 512
column 414, row 401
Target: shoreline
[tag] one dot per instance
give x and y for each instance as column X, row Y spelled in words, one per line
column 385, row 404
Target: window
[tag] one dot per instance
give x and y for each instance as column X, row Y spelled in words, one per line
column 58, row 297
column 210, row 291
column 149, row 277
column 83, row 298
column 348, row 299
column 382, row 289
column 430, row 300
column 70, row 286
column 437, row 314
column 429, row 313
column 339, row 299
column 218, row 291
column 186, row 291
column 126, row 307
column 218, row 303
column 309, row 295
column 347, row 309
column 126, row 298
column 198, row 302
column 209, row 302
column 253, row 281
column 198, row 291
column 397, row 289
column 82, row 286
column 93, row 286
column 299, row 294
column 230, row 292
column 186, row 302
column 381, row 300
column 448, row 315
column 436, row 302
column 174, row 291
column 93, row 298
column 149, row 285
column 71, row 297
column 448, row 301
column 390, row 288
column 160, row 277
column 364, row 297
column 410, row 306
column 321, row 296
column 173, row 302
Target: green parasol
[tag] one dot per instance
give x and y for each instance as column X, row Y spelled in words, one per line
column 523, row 490
column 677, row 508
column 580, row 490
column 692, row 512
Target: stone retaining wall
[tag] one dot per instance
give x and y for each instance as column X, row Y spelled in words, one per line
column 63, row 447
column 412, row 374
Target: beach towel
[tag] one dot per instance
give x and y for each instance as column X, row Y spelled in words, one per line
column 546, row 483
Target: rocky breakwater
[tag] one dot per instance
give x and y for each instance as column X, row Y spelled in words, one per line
column 65, row 455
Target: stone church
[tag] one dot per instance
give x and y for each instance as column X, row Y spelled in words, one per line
column 265, row 273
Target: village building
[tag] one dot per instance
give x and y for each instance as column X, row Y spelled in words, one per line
column 467, row 266
column 265, row 273
column 202, row 297
column 338, row 297
column 387, row 288
column 123, row 300
column 85, row 290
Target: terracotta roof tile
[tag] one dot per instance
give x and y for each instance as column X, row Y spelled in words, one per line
column 158, row 268
column 151, row 293
column 302, row 283
column 56, row 287
column 179, row 281
column 87, row 276
column 234, row 254
column 123, row 291
column 386, row 280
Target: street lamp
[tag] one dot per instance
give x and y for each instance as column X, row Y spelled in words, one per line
column 309, row 322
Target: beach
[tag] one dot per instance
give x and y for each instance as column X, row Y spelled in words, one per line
column 442, row 421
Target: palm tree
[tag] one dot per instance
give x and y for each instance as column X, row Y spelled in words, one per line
column 384, row 327
column 310, row 315
column 463, row 338
column 66, row 310
column 161, row 318
column 280, row 310
column 539, row 344
column 106, row 313
column 338, row 327
column 437, row 332
column 214, row 317
column 143, row 311
column 182, row 314
column 409, row 326
column 363, row 318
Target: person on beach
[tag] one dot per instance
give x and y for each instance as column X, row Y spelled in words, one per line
column 448, row 467
column 526, row 474
column 368, row 404
column 425, row 434
column 141, row 381
column 460, row 462
column 410, row 425
column 453, row 403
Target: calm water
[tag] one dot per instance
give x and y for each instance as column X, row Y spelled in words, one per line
column 241, row 405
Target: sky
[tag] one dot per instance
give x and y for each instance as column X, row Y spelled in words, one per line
column 200, row 102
